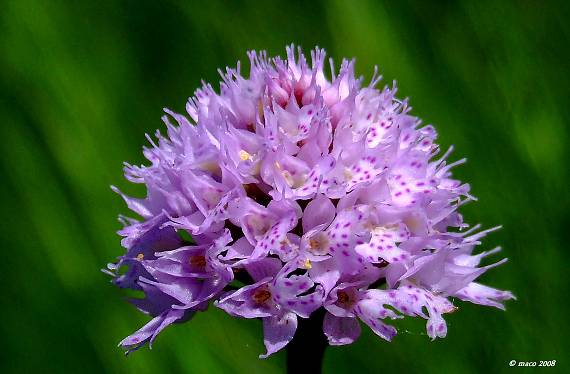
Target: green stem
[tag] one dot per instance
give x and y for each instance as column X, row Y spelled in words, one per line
column 306, row 351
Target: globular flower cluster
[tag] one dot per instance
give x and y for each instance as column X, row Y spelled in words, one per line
column 291, row 191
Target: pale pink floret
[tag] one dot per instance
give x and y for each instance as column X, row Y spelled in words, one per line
column 301, row 189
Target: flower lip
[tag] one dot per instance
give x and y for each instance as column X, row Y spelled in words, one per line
column 318, row 244
column 261, row 295
column 197, row 261
column 344, row 299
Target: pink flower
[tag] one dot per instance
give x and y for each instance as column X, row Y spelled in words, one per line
column 299, row 191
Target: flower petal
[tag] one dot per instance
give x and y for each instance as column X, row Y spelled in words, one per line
column 319, row 211
column 278, row 331
column 341, row 330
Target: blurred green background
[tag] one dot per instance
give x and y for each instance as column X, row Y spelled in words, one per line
column 81, row 82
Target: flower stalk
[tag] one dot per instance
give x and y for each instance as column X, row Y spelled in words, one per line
column 305, row 353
